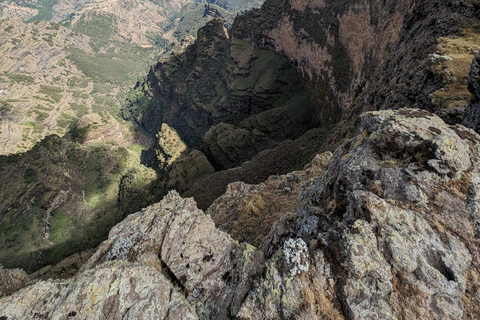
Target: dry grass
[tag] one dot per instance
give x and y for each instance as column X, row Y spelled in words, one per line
column 256, row 215
column 460, row 48
column 255, row 205
column 317, row 306
column 460, row 186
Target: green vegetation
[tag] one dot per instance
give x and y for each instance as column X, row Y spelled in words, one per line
column 66, row 120
column 44, row 9
column 105, row 103
column 100, row 27
column 31, row 127
column 70, row 234
column 76, row 82
column 80, row 109
column 137, row 148
column 8, row 29
column 48, row 39
column 55, row 93
column 41, row 116
column 108, row 67
column 19, row 227
column 93, row 206
column 5, row 105
column 19, row 78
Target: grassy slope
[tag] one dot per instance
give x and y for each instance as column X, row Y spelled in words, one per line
column 71, row 190
column 67, row 189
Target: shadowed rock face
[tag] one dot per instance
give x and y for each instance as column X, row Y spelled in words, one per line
column 333, row 60
column 472, row 112
column 387, row 228
column 338, row 45
column 224, row 97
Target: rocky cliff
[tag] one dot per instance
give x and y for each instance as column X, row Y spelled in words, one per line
column 384, row 228
column 64, row 59
column 390, row 54
column 65, row 76
column 322, row 64
column 224, row 97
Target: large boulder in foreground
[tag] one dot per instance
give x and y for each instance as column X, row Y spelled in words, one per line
column 387, row 229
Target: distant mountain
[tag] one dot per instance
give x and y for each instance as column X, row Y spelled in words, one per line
column 234, row 5
column 64, row 59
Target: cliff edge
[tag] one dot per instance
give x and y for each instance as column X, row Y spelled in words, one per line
column 386, row 228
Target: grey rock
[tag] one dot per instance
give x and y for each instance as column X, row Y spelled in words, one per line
column 111, row 292
column 391, row 219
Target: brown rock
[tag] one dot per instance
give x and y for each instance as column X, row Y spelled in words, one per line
column 11, row 280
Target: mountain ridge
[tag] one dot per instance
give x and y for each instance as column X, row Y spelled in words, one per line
column 62, row 194
column 384, row 226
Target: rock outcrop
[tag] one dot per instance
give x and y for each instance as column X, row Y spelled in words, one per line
column 385, row 228
column 11, row 280
column 338, row 59
column 66, row 78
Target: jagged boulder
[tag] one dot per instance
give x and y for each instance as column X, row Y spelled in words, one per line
column 167, row 261
column 386, row 228
column 400, row 218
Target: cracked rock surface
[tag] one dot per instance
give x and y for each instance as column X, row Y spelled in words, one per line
column 385, row 228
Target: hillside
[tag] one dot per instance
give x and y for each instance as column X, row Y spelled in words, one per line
column 314, row 160
column 67, row 59
column 77, row 163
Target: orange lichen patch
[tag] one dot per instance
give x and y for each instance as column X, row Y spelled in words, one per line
column 460, row 48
